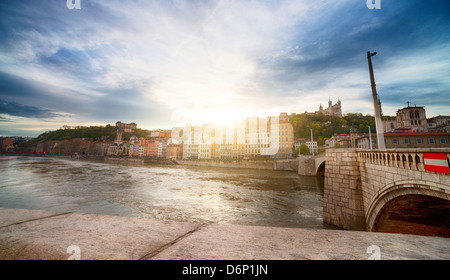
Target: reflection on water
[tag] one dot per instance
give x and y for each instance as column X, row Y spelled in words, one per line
column 177, row 193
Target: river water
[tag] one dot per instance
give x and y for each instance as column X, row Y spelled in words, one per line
column 175, row 193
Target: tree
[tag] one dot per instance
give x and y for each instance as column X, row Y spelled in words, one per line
column 304, row 150
column 320, row 141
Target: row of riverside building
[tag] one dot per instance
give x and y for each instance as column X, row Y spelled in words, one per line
column 257, row 137
column 246, row 138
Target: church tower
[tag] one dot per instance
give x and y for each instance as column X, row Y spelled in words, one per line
column 353, row 136
column 119, row 134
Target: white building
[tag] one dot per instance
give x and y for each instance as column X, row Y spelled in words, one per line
column 313, row 147
column 162, row 149
column 204, row 151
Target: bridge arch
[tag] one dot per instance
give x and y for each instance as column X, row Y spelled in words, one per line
column 320, row 170
column 319, row 163
column 394, row 209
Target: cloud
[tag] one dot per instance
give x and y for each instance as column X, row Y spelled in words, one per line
column 19, row 110
column 3, row 119
column 160, row 62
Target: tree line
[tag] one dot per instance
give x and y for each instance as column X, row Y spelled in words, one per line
column 324, row 126
column 91, row 133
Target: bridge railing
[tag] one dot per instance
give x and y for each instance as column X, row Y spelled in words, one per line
column 411, row 159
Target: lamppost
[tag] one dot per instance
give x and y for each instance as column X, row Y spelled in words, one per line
column 376, row 105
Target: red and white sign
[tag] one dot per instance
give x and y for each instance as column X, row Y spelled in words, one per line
column 436, row 162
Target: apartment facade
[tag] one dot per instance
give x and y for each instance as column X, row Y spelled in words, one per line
column 6, row 144
column 246, row 138
column 407, row 140
column 174, row 151
column 286, row 137
column 439, row 124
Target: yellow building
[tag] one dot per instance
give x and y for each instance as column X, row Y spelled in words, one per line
column 215, row 151
column 252, row 137
column 285, row 137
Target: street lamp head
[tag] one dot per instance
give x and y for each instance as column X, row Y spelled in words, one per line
column 374, row 53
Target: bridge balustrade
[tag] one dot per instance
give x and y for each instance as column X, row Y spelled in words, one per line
column 406, row 159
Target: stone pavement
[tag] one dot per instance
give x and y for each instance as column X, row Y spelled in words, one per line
column 47, row 235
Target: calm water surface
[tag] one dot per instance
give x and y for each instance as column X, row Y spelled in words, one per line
column 176, row 193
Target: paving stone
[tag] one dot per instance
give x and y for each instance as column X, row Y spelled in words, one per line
column 36, row 234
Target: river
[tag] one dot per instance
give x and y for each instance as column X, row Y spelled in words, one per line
column 174, row 193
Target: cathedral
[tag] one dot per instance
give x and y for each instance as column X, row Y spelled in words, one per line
column 332, row 110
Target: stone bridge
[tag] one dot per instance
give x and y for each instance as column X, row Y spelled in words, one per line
column 311, row 165
column 386, row 191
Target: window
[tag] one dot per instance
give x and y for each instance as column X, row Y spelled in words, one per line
column 395, row 141
column 406, row 141
column 431, row 140
column 419, row 141
column 443, row 140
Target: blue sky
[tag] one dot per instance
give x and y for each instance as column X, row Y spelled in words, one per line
column 163, row 63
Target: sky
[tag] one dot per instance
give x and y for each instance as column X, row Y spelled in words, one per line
column 166, row 63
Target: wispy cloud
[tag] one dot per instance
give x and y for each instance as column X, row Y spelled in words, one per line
column 3, row 119
column 19, row 110
column 164, row 63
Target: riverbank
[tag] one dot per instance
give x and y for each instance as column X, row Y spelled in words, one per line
column 260, row 164
column 47, row 235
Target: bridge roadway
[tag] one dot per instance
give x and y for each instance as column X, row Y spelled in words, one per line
column 38, row 234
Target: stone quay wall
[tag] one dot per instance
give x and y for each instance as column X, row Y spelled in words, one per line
column 286, row 164
column 271, row 164
column 306, row 166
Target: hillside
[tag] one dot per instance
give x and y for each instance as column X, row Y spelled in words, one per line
column 325, row 126
column 92, row 133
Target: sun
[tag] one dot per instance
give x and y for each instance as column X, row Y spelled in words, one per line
column 225, row 115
